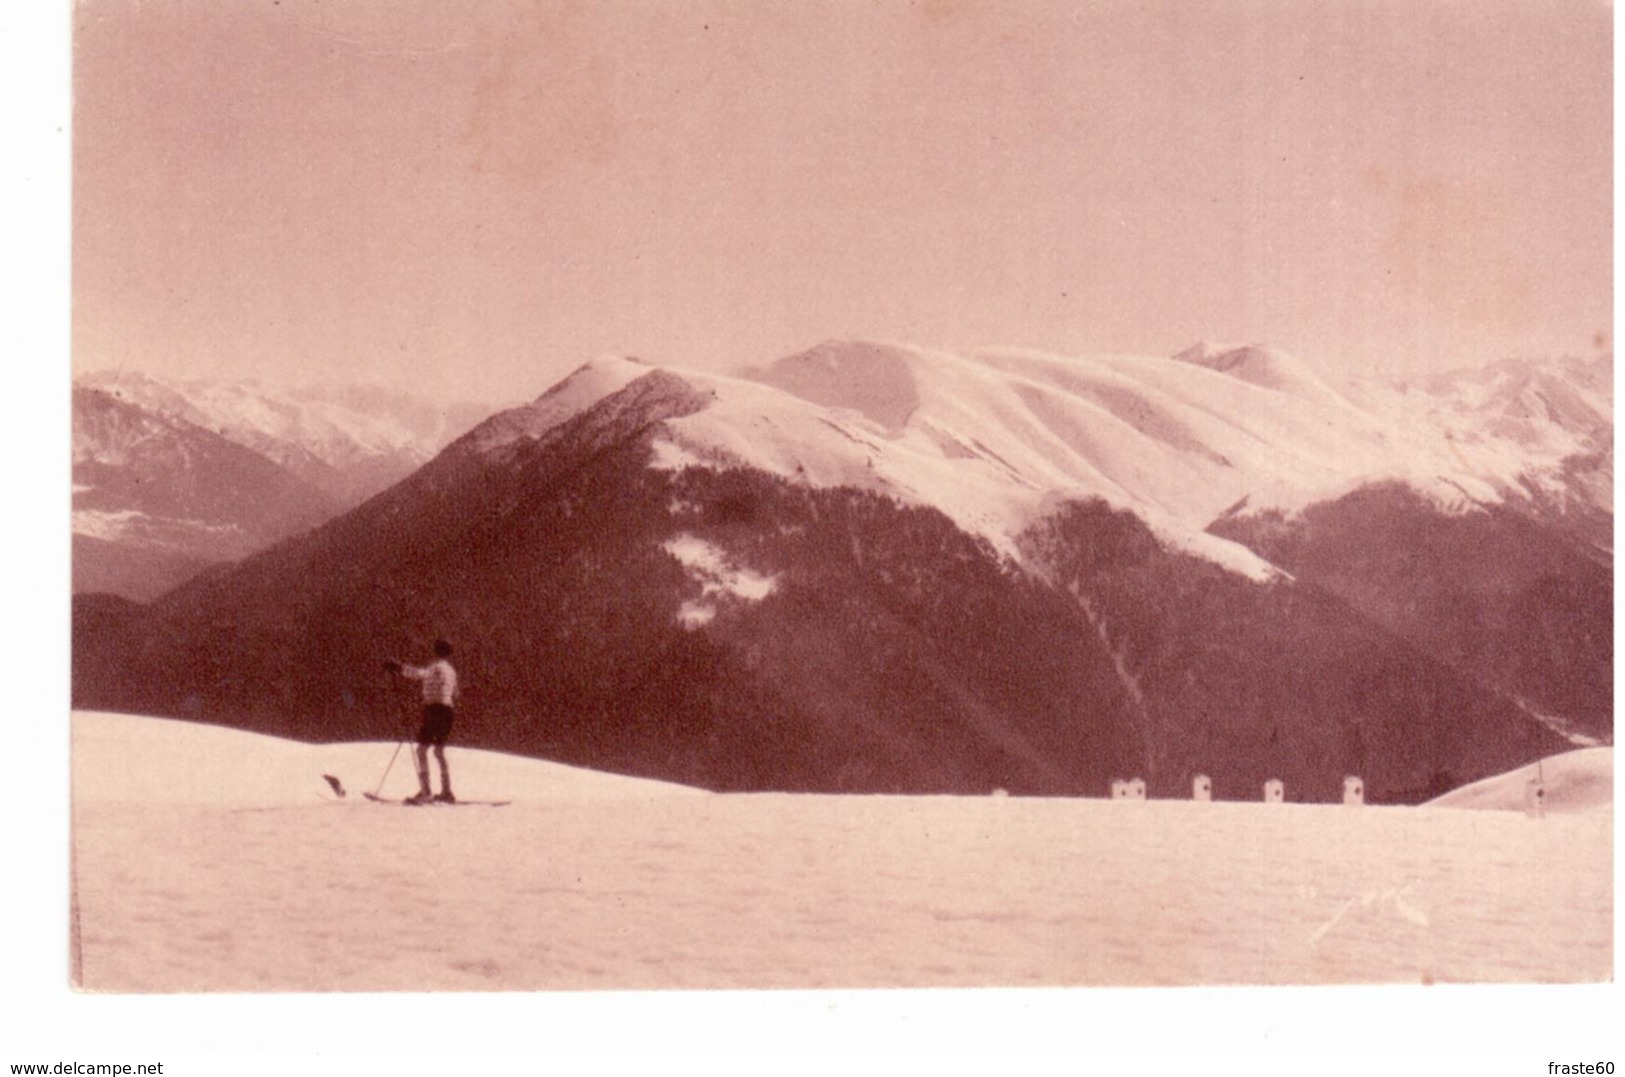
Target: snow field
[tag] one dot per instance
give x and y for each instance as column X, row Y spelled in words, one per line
column 246, row 878
column 122, row 760
column 1577, row 781
column 717, row 576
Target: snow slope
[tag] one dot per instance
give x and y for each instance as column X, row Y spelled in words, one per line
column 123, row 759
column 1578, row 781
column 206, row 860
column 994, row 439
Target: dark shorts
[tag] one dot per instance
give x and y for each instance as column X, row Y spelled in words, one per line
column 436, row 725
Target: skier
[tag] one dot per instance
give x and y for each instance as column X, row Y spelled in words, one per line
column 439, row 691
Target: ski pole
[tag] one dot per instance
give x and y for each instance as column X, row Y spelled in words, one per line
column 391, row 667
column 387, row 769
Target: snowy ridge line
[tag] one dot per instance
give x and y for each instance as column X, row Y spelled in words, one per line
column 985, row 492
column 997, row 439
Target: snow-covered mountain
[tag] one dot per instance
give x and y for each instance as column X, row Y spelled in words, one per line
column 994, row 441
column 171, row 477
column 1512, row 584
column 875, row 567
column 1552, row 422
column 348, row 440
column 157, row 498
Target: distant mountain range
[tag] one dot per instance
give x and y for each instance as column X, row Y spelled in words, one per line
column 173, row 476
column 877, row 568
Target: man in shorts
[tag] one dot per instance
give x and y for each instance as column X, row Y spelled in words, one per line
column 439, row 692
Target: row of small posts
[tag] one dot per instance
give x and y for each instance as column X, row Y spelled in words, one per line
column 1202, row 789
column 1353, row 791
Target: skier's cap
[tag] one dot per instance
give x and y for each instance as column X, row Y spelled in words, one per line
column 442, row 649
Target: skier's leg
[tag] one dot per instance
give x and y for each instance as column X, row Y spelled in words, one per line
column 445, row 774
column 421, row 757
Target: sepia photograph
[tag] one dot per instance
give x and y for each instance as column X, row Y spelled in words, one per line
column 784, row 498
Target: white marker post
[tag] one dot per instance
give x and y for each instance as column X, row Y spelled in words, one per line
column 1535, row 798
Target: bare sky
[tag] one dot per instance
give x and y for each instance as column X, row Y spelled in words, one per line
column 475, row 197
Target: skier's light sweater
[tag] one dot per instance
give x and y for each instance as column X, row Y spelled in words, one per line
column 439, row 681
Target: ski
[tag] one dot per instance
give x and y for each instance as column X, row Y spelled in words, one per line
column 437, row 803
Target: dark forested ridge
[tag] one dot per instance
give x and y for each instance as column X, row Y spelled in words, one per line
column 889, row 652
